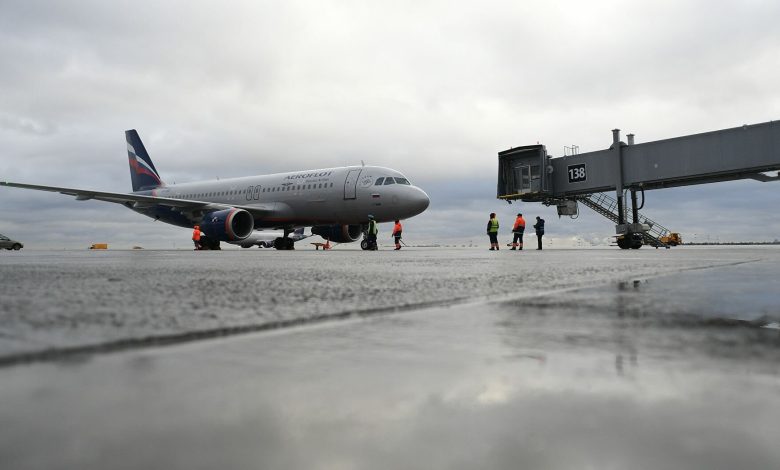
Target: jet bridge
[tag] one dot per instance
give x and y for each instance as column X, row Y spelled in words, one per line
column 529, row 174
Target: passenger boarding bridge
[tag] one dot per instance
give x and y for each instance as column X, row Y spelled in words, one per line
column 529, row 174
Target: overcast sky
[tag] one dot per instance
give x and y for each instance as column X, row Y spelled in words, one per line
column 434, row 89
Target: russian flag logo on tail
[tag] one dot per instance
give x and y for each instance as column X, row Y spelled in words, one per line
column 142, row 171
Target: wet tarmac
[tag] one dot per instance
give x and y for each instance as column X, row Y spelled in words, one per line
column 418, row 359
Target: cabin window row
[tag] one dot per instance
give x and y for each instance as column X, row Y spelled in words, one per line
column 253, row 192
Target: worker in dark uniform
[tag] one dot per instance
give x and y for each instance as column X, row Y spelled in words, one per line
column 539, row 226
column 492, row 231
column 397, row 229
column 373, row 230
column 196, row 237
column 518, row 229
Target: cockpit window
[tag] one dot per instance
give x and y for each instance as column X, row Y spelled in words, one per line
column 389, row 180
column 402, row 181
column 379, row 181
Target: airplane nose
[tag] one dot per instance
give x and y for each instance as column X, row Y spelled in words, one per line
column 420, row 200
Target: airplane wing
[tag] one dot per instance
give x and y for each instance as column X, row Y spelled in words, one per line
column 137, row 201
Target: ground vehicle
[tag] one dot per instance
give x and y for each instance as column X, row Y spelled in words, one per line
column 673, row 239
column 9, row 244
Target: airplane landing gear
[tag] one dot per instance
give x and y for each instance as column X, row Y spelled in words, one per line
column 285, row 242
column 207, row 243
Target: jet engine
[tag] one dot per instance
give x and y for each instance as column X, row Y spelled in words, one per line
column 338, row 233
column 228, row 224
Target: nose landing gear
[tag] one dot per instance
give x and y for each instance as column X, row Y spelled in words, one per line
column 368, row 243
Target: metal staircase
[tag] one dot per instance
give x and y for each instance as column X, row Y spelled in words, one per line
column 606, row 205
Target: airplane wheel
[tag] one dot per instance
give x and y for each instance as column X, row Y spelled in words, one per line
column 364, row 244
column 283, row 243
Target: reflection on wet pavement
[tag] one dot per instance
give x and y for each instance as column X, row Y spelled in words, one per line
column 56, row 303
column 649, row 372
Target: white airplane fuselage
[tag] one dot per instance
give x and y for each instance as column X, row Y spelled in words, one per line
column 331, row 196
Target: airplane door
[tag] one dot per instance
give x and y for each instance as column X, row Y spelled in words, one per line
column 350, row 184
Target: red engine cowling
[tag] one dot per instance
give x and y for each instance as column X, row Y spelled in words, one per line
column 338, row 233
column 228, row 225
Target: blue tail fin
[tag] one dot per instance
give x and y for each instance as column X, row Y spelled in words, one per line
column 142, row 171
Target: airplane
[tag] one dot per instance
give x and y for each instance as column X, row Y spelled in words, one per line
column 334, row 202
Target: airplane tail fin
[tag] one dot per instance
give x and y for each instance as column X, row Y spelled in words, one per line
column 142, row 171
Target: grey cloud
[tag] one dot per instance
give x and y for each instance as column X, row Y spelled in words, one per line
column 433, row 89
column 24, row 125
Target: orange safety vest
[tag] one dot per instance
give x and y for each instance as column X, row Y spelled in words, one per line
column 519, row 222
column 196, row 235
column 397, row 230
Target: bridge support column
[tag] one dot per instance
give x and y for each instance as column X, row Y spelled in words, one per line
column 634, row 210
column 617, row 151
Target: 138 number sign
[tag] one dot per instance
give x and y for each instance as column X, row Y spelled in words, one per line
column 577, row 173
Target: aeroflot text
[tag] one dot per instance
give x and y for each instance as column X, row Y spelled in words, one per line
column 308, row 175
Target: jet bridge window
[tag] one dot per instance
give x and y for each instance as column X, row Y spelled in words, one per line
column 379, row 181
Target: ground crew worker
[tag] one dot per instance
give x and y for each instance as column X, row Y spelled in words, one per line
column 373, row 230
column 539, row 226
column 518, row 229
column 196, row 237
column 397, row 229
column 492, row 231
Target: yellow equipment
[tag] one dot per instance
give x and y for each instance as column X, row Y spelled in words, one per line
column 673, row 239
